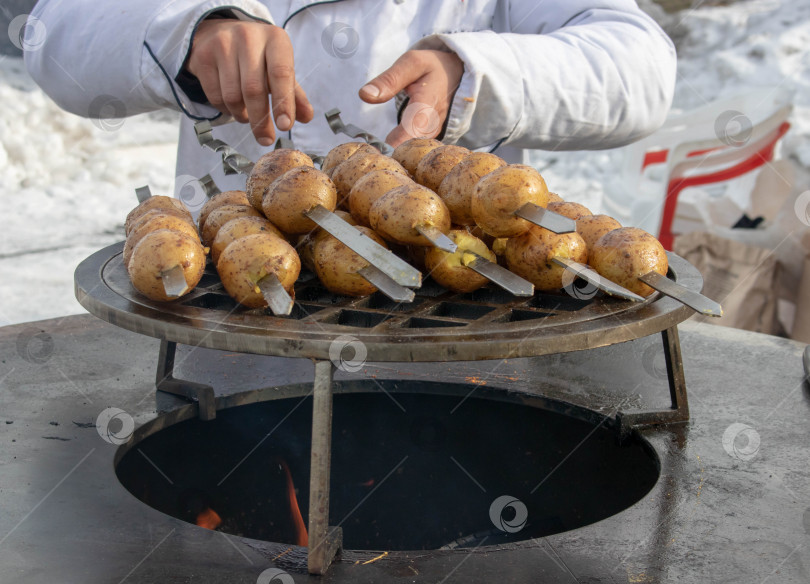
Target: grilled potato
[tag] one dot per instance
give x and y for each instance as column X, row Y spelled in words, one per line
column 307, row 242
column 357, row 166
column 155, row 223
column 396, row 214
column 239, row 227
column 450, row 269
column 160, row 251
column 268, row 168
column 530, row 255
column 370, row 188
column 592, row 227
column 502, row 192
column 624, row 254
column 295, row 192
column 252, row 257
column 218, row 200
column 336, row 265
column 410, row 152
column 157, row 202
column 457, row 187
column 569, row 209
column 220, row 216
column 342, row 152
column 436, row 164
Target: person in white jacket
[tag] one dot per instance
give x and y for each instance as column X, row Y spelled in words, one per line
column 485, row 74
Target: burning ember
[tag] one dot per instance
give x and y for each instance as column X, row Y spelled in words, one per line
column 209, row 519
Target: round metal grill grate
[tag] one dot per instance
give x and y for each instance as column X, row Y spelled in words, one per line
column 438, row 326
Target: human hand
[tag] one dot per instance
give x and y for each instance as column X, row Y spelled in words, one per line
column 430, row 78
column 238, row 64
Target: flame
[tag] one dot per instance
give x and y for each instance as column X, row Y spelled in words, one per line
column 209, row 519
column 301, row 536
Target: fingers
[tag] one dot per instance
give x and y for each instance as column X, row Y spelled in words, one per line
column 254, row 92
column 405, row 71
column 303, row 109
column 242, row 67
column 430, row 79
column 281, row 78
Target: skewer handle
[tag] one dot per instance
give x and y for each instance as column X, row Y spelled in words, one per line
column 437, row 238
column 275, row 295
column 338, row 127
column 208, row 185
column 498, row 275
column 143, row 193
column 386, row 285
column 174, row 282
column 694, row 300
column 545, row 218
column 386, row 261
column 592, row 277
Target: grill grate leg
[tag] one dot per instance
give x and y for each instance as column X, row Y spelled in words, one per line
column 324, row 541
column 192, row 391
column 679, row 413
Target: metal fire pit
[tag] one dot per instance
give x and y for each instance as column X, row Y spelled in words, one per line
column 438, row 326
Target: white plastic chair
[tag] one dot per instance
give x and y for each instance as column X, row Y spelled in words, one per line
column 689, row 151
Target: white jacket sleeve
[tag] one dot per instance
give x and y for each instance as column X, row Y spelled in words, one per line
column 128, row 53
column 565, row 75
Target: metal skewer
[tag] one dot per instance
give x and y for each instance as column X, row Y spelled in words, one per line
column 592, row 277
column 174, row 282
column 386, row 285
column 380, row 258
column 544, row 218
column 437, row 238
column 275, row 295
column 208, row 185
column 695, row 301
column 338, row 127
column 496, row 274
column 143, row 193
column 232, row 161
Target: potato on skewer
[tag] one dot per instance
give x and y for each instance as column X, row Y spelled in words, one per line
column 401, row 213
column 239, row 227
column 219, row 200
column 449, row 269
column 436, row 164
column 250, row 259
column 357, row 166
column 457, row 187
column 156, row 223
column 410, row 152
column 341, row 153
column 503, row 192
column 221, row 216
column 268, row 168
column 592, row 227
column 157, row 202
column 149, row 215
column 625, row 254
column 293, row 194
column 370, row 188
column 569, row 209
column 337, row 266
column 158, row 254
column 530, row 255
column 307, row 242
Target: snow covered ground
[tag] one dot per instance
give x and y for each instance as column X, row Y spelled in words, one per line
column 67, row 183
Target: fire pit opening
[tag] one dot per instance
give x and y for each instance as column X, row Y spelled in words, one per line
column 419, row 466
